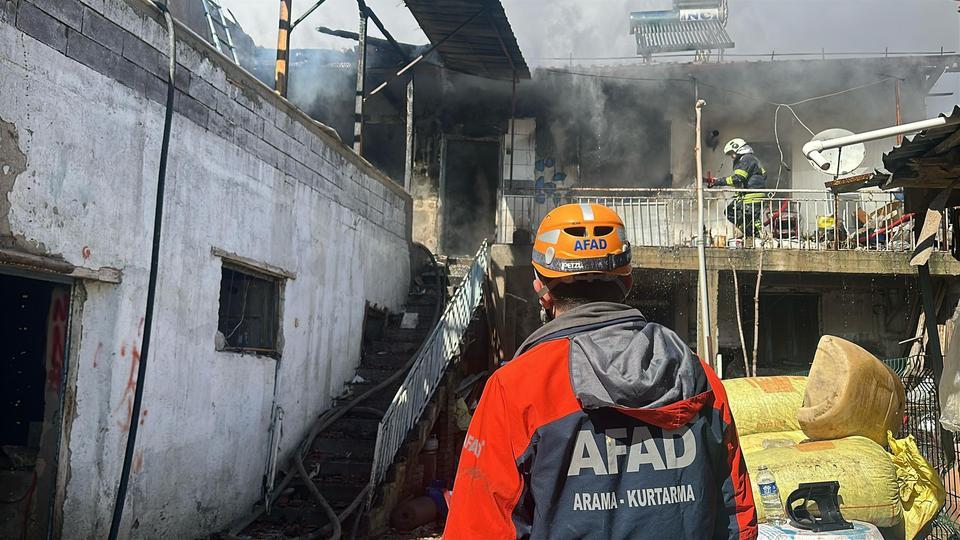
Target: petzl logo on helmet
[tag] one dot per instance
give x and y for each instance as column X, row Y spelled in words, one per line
column 593, row 243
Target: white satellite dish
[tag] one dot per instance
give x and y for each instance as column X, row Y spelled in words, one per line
column 850, row 157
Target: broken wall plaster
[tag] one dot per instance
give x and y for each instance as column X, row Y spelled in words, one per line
column 13, row 162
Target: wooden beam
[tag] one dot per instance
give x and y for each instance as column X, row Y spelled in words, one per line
column 946, row 144
column 46, row 265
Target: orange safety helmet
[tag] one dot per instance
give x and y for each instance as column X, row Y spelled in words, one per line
column 584, row 240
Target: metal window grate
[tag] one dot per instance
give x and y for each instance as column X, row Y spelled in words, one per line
column 249, row 311
column 938, row 446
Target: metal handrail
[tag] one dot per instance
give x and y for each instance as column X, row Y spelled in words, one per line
column 440, row 347
column 691, row 191
column 780, row 219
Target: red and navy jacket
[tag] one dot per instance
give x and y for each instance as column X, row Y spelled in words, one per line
column 604, row 426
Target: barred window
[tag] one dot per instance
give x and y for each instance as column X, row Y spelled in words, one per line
column 249, row 311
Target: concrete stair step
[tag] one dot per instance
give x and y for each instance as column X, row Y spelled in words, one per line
column 379, row 401
column 339, row 448
column 344, row 470
column 349, row 427
column 386, row 361
column 391, row 346
column 428, row 299
column 339, row 492
column 412, row 335
column 424, row 310
column 289, row 519
column 375, row 375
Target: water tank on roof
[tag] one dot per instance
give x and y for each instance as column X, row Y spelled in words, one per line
column 692, row 25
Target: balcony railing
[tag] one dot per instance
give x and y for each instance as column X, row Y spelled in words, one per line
column 780, row 219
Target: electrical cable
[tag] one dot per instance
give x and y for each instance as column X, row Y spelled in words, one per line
column 752, row 55
column 152, row 283
column 801, row 102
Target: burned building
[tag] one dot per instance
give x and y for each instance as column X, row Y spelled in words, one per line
column 624, row 136
column 283, row 245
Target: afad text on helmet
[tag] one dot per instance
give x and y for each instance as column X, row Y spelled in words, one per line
column 590, row 243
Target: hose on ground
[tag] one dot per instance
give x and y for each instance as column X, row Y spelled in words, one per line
column 312, row 488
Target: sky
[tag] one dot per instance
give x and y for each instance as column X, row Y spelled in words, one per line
column 599, row 28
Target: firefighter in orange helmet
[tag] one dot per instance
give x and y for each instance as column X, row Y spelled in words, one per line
column 603, row 425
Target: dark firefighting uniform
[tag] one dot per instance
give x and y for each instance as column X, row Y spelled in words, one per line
column 605, row 426
column 746, row 209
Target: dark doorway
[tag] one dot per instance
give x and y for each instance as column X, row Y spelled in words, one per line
column 33, row 335
column 789, row 333
column 469, row 196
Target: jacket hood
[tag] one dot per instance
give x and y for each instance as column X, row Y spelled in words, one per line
column 619, row 360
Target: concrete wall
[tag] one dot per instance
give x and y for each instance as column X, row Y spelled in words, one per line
column 248, row 174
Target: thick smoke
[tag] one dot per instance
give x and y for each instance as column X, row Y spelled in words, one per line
column 599, row 28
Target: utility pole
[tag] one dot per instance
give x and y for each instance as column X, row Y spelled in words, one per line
column 361, row 84
column 283, row 48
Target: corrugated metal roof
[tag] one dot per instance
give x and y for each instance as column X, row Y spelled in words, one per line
column 929, row 159
column 476, row 48
column 922, row 143
column 672, row 36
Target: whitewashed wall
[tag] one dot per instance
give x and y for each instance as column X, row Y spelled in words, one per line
column 249, row 175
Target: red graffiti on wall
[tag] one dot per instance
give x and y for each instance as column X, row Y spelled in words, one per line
column 138, row 461
column 56, row 338
column 130, row 389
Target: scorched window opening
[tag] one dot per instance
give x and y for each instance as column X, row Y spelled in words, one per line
column 249, row 318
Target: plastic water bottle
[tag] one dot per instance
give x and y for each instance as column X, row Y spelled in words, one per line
column 770, row 496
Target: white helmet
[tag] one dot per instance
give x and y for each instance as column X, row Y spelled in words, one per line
column 734, row 146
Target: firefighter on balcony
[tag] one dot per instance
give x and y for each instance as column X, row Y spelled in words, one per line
column 604, row 426
column 745, row 212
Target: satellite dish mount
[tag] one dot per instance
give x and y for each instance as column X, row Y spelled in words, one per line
column 843, row 160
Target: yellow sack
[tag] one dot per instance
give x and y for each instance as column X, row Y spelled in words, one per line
column 765, row 404
column 869, row 489
column 921, row 491
column 774, row 439
column 850, row 392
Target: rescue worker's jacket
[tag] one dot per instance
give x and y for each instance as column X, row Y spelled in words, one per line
column 748, row 173
column 604, row 426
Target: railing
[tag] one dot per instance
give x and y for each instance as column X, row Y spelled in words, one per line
column 782, row 219
column 939, row 447
column 440, row 347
